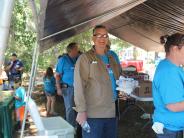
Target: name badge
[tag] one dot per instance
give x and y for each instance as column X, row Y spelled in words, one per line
column 108, row 67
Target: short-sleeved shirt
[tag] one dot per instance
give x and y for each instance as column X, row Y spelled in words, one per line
column 49, row 84
column 110, row 52
column 105, row 60
column 168, row 88
column 65, row 67
column 13, row 73
column 20, row 92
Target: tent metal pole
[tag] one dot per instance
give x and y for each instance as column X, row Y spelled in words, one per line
column 126, row 7
column 6, row 7
column 34, row 64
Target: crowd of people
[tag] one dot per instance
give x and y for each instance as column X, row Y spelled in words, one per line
column 87, row 83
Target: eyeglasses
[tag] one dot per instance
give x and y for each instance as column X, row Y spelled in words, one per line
column 101, row 35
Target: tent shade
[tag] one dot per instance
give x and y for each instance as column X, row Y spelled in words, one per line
column 139, row 22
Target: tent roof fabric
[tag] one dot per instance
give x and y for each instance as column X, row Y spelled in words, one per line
column 139, row 22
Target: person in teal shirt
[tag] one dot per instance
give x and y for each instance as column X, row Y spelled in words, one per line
column 50, row 91
column 64, row 80
column 65, row 67
column 168, row 88
column 19, row 95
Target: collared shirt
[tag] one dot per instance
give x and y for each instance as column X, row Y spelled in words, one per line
column 168, row 88
column 65, row 67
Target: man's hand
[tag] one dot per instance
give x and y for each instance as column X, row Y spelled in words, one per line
column 81, row 117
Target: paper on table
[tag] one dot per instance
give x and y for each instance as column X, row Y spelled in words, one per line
column 126, row 85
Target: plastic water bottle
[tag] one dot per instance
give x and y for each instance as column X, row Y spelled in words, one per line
column 86, row 127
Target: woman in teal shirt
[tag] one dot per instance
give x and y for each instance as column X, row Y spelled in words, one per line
column 50, row 91
column 168, row 88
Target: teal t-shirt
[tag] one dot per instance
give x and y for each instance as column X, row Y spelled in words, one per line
column 49, row 85
column 168, row 88
column 105, row 59
column 65, row 67
column 110, row 52
column 20, row 92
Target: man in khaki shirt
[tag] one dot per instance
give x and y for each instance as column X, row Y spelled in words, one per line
column 94, row 88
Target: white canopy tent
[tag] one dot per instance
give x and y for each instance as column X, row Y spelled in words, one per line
column 139, row 22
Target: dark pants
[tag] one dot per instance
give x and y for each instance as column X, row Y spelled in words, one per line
column 170, row 134
column 101, row 128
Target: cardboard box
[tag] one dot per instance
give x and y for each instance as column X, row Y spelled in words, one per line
column 145, row 89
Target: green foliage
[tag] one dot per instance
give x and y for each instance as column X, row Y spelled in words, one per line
column 118, row 44
column 85, row 42
column 49, row 57
column 23, row 37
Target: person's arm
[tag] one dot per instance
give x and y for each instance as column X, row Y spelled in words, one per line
column 17, row 98
column 20, row 69
column 59, row 71
column 81, row 74
column 176, row 107
column 58, row 85
column 8, row 67
column 171, row 91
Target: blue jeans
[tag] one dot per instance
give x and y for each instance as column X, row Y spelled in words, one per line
column 170, row 134
column 68, row 96
column 101, row 128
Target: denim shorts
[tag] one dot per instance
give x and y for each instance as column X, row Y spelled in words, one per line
column 50, row 94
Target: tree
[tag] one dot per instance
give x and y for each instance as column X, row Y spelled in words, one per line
column 23, row 37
